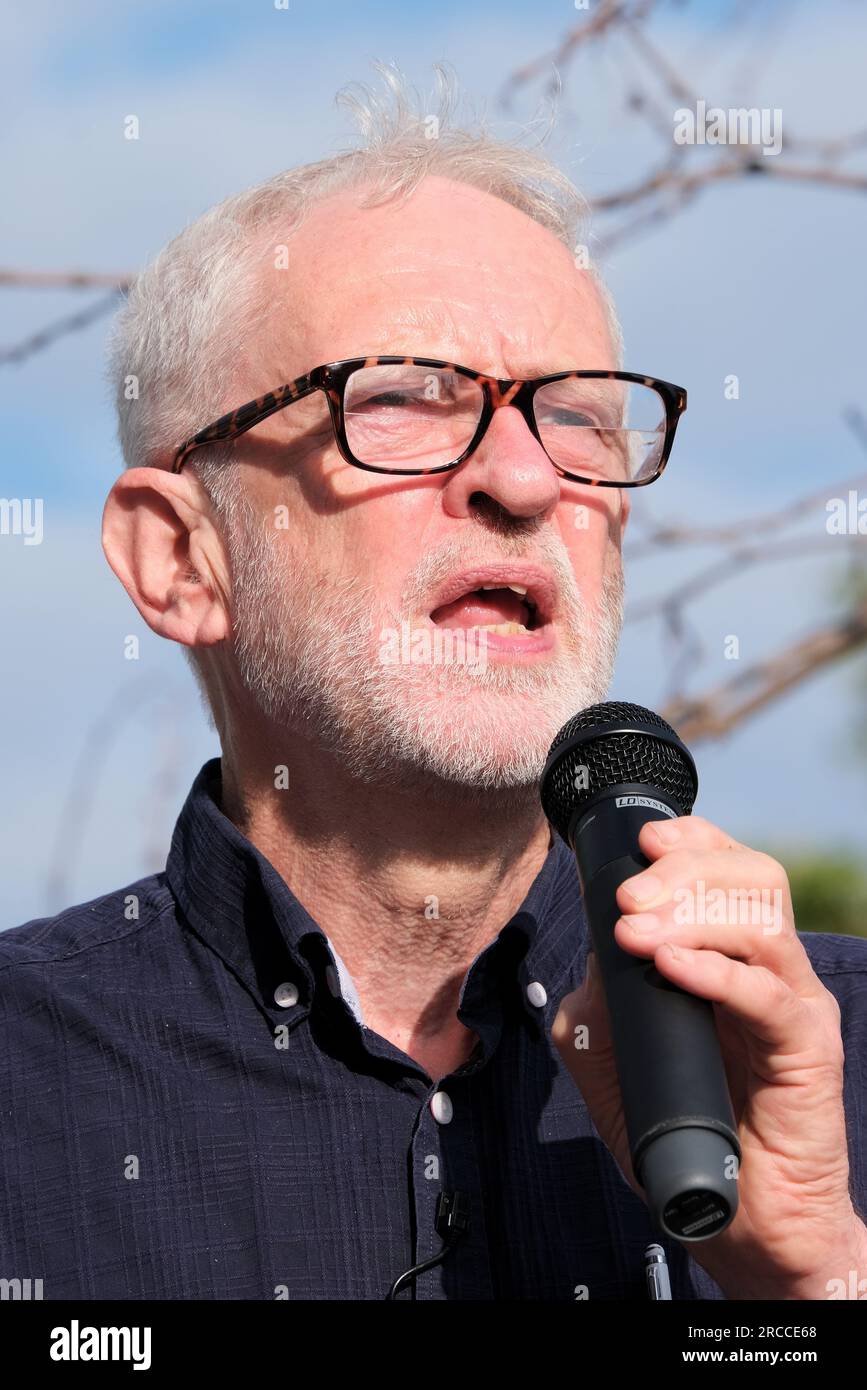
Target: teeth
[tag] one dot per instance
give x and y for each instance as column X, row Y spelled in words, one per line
column 504, row 629
column 516, row 588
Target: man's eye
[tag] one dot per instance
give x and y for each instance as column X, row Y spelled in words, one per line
column 387, row 398
column 570, row 417
column 401, row 400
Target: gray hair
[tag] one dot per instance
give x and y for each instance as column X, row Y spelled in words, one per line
column 175, row 351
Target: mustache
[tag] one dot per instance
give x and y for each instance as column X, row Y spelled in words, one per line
column 545, row 549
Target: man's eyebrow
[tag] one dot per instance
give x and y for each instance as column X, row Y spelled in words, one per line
column 474, row 360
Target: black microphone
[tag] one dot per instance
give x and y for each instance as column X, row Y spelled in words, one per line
column 610, row 769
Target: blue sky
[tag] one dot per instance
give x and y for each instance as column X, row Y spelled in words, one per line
column 762, row 280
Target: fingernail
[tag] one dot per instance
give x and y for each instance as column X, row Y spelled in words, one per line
column 644, row 888
column 641, row 921
column 667, row 831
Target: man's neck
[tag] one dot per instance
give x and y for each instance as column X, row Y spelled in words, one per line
column 408, row 888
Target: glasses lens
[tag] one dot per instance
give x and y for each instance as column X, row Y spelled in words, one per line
column 598, row 428
column 406, row 416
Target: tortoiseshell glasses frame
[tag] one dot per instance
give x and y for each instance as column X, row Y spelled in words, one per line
column 332, row 379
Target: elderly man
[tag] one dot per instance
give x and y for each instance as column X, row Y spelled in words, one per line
column 372, row 402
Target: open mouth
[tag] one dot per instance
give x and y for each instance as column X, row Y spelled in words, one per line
column 506, row 610
column 503, row 606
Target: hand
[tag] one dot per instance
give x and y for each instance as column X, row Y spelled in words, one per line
column 779, row 1030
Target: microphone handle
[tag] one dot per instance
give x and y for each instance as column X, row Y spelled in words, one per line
column 679, row 1120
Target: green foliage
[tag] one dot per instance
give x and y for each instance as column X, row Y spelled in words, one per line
column 829, row 892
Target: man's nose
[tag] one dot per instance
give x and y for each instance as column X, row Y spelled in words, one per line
column 510, row 467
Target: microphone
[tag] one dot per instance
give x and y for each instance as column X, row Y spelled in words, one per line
column 610, row 769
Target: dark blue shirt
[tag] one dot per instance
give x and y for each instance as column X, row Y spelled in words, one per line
column 190, row 1107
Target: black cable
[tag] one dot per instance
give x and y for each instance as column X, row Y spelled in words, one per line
column 452, row 1221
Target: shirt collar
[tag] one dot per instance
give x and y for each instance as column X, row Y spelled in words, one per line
column 234, row 898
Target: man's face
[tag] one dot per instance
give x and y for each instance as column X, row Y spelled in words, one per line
column 339, row 575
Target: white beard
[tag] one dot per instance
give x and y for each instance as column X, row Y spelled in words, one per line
column 308, row 646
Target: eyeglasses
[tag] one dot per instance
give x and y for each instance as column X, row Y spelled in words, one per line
column 418, row 415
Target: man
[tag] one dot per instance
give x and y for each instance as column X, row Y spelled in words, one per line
column 354, row 992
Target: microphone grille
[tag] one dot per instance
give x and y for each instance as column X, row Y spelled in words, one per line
column 610, row 743
column 609, row 712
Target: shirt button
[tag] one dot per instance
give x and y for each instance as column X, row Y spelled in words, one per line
column 286, row 995
column 441, row 1107
column 537, row 994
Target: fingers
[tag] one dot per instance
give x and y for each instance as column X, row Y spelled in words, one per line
column 683, row 832
column 752, row 994
column 729, row 898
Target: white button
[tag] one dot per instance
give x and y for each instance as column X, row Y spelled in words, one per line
column 333, row 979
column 286, row 995
column 537, row 994
column 441, row 1107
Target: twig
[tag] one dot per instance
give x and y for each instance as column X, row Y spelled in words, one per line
column 58, row 329
column 733, row 533
column 64, row 279
column 722, row 709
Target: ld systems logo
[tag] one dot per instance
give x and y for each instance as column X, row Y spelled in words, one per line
column 644, row 801
column 76, row 1343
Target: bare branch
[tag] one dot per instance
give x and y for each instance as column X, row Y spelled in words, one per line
column 65, row 279
column 858, row 425
column 57, row 329
column 674, row 84
column 679, row 184
column 776, row 520
column 732, row 566
column 719, row 711
column 685, row 172
column 609, row 13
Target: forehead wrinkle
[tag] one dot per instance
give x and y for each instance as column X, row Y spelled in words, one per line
column 441, row 335
column 428, row 330
column 428, row 317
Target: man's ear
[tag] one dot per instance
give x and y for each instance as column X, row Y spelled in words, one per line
column 625, row 509
column 159, row 538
